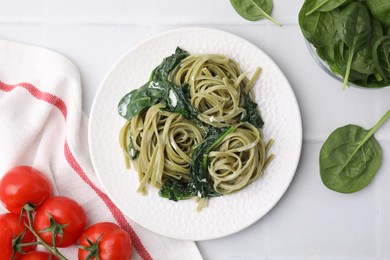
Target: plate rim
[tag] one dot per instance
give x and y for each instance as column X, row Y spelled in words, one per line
column 290, row 89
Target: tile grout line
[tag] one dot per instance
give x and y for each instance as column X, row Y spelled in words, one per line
column 45, row 24
column 377, row 206
column 267, row 246
column 124, row 22
column 314, row 140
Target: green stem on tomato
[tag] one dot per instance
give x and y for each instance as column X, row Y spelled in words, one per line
column 53, row 241
column 29, row 244
column 53, row 250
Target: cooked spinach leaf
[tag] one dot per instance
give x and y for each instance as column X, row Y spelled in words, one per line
column 175, row 190
column 351, row 157
column 153, row 92
column 178, row 101
column 138, row 99
column 162, row 71
column 198, row 168
column 132, row 151
column 159, row 89
column 254, row 10
column 252, row 114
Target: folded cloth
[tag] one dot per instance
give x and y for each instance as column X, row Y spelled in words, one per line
column 42, row 125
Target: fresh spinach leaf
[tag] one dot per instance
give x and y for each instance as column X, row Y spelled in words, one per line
column 351, row 157
column 324, row 5
column 381, row 54
column 380, row 9
column 355, row 32
column 327, row 52
column 254, row 10
column 320, row 27
column 339, row 67
column 252, row 114
column 371, row 83
column 363, row 60
column 162, row 71
column 376, row 31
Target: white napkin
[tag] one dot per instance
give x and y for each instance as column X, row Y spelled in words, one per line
column 42, row 125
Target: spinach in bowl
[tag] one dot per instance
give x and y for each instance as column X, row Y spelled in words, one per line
column 351, row 37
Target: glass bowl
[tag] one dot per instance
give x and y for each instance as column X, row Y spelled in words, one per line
column 325, row 67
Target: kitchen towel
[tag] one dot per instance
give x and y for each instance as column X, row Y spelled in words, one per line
column 42, row 125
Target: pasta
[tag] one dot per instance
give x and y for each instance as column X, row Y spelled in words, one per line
column 239, row 160
column 216, row 84
column 218, row 151
column 164, row 141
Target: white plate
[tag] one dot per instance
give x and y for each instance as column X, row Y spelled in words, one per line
column 227, row 214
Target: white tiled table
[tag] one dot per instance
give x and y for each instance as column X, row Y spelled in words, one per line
column 310, row 222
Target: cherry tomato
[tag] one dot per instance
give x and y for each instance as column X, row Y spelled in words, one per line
column 6, row 236
column 38, row 255
column 11, row 227
column 114, row 242
column 68, row 216
column 22, row 185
